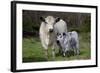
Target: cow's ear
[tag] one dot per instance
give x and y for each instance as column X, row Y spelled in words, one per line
column 64, row 34
column 57, row 19
column 42, row 19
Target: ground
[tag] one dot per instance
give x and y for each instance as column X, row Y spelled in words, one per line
column 33, row 51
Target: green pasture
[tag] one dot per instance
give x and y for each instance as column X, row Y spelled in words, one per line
column 32, row 50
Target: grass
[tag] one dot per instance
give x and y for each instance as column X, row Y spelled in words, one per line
column 34, row 52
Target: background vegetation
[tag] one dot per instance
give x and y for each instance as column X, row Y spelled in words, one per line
column 32, row 48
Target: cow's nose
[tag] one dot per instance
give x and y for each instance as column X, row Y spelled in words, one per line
column 57, row 41
column 50, row 30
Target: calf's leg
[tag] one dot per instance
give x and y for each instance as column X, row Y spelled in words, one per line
column 46, row 53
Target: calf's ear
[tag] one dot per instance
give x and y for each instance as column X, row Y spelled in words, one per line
column 57, row 19
column 42, row 19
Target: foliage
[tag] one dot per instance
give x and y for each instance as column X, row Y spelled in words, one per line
column 75, row 21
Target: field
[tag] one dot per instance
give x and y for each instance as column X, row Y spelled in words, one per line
column 33, row 51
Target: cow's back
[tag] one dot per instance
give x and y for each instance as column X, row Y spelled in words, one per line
column 60, row 27
column 75, row 35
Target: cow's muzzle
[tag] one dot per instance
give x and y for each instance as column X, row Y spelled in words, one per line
column 57, row 41
column 50, row 30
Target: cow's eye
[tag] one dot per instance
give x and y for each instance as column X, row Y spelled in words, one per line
column 45, row 22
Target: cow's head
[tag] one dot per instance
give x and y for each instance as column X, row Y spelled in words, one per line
column 49, row 22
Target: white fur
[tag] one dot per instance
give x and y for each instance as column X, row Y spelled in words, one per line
column 49, row 39
column 60, row 27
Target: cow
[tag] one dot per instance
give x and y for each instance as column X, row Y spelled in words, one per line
column 68, row 42
column 48, row 29
column 59, row 28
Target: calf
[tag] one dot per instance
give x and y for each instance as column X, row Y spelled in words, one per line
column 68, row 42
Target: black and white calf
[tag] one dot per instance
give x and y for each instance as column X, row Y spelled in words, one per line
column 68, row 41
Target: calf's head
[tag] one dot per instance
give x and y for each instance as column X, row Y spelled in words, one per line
column 61, row 37
column 49, row 22
column 62, row 41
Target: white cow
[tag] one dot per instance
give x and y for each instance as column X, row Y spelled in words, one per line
column 60, row 27
column 50, row 26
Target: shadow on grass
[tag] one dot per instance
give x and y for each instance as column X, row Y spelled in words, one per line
column 58, row 54
column 69, row 54
column 34, row 59
column 81, row 53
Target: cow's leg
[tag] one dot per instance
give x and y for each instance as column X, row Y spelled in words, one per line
column 77, row 52
column 53, row 52
column 45, row 50
column 74, row 51
column 46, row 53
column 64, row 54
column 59, row 48
column 60, row 51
